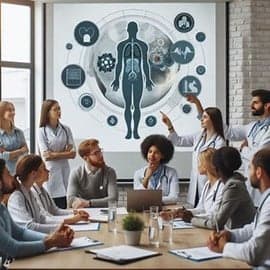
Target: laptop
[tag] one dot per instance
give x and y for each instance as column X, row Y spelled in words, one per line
column 140, row 199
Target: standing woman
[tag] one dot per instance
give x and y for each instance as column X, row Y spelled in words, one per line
column 56, row 146
column 12, row 141
column 212, row 136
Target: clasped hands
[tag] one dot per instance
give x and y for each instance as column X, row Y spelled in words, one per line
column 217, row 241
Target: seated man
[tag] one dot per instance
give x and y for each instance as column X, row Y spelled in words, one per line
column 92, row 184
column 16, row 241
column 250, row 243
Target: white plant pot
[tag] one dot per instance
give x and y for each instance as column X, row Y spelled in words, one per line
column 132, row 238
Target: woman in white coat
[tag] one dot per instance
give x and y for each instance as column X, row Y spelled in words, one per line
column 157, row 150
column 56, row 146
column 212, row 136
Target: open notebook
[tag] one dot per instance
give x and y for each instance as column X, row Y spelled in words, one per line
column 122, row 254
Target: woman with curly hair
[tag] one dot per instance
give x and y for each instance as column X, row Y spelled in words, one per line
column 157, row 150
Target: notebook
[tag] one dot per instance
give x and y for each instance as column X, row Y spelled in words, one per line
column 196, row 254
column 122, row 254
column 140, row 199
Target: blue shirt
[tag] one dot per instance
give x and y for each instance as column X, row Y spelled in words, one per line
column 10, row 142
column 16, row 241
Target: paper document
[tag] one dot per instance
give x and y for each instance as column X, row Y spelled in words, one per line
column 79, row 242
column 196, row 254
column 93, row 226
column 181, row 224
column 101, row 214
column 123, row 254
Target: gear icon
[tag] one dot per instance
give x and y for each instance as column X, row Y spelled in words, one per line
column 106, row 62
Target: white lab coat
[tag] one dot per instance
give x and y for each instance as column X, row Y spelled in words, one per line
column 196, row 140
column 256, row 141
column 209, row 200
column 168, row 183
column 59, row 169
column 251, row 243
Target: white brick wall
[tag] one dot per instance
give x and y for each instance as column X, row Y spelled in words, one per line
column 249, row 55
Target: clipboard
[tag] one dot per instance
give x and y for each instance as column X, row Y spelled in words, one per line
column 122, row 254
column 197, row 254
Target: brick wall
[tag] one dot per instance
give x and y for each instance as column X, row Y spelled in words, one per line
column 249, row 55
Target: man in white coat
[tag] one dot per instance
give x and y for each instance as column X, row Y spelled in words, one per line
column 250, row 243
column 256, row 134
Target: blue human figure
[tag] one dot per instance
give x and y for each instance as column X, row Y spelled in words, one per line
column 132, row 53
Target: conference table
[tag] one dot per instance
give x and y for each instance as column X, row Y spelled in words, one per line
column 78, row 258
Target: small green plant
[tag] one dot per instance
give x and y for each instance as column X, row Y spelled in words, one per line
column 132, row 222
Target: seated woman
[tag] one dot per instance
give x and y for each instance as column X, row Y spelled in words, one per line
column 236, row 207
column 15, row 241
column 157, row 150
column 22, row 205
column 211, row 193
column 47, row 204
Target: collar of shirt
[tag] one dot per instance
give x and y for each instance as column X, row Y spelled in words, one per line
column 3, row 131
column 263, row 198
column 88, row 171
column 37, row 189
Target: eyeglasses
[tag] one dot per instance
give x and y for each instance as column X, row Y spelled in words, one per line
column 97, row 153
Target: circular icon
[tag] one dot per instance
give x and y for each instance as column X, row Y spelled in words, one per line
column 200, row 36
column 200, row 70
column 86, row 102
column 184, row 22
column 151, row 121
column 69, row 46
column 86, row 33
column 186, row 108
column 182, row 52
column 112, row 120
column 73, row 76
column 189, row 85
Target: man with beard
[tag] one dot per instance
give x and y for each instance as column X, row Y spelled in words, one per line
column 15, row 241
column 250, row 243
column 92, row 184
column 256, row 134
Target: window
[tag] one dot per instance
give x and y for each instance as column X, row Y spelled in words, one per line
column 17, row 62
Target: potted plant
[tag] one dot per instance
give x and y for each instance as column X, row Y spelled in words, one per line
column 133, row 226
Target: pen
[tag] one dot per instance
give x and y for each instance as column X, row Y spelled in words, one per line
column 217, row 228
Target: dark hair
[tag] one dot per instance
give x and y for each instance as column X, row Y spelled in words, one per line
column 263, row 94
column 216, row 118
column 2, row 167
column 262, row 159
column 227, row 159
column 26, row 165
column 86, row 146
column 45, row 108
column 164, row 145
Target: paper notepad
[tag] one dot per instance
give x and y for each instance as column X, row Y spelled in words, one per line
column 93, row 226
column 181, row 224
column 196, row 254
column 79, row 242
column 123, row 254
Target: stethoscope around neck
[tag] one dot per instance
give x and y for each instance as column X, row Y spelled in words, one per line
column 46, row 135
column 163, row 178
column 250, row 134
column 203, row 136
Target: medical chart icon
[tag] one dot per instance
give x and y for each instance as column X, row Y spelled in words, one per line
column 73, row 76
column 182, row 52
column 184, row 22
column 189, row 85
